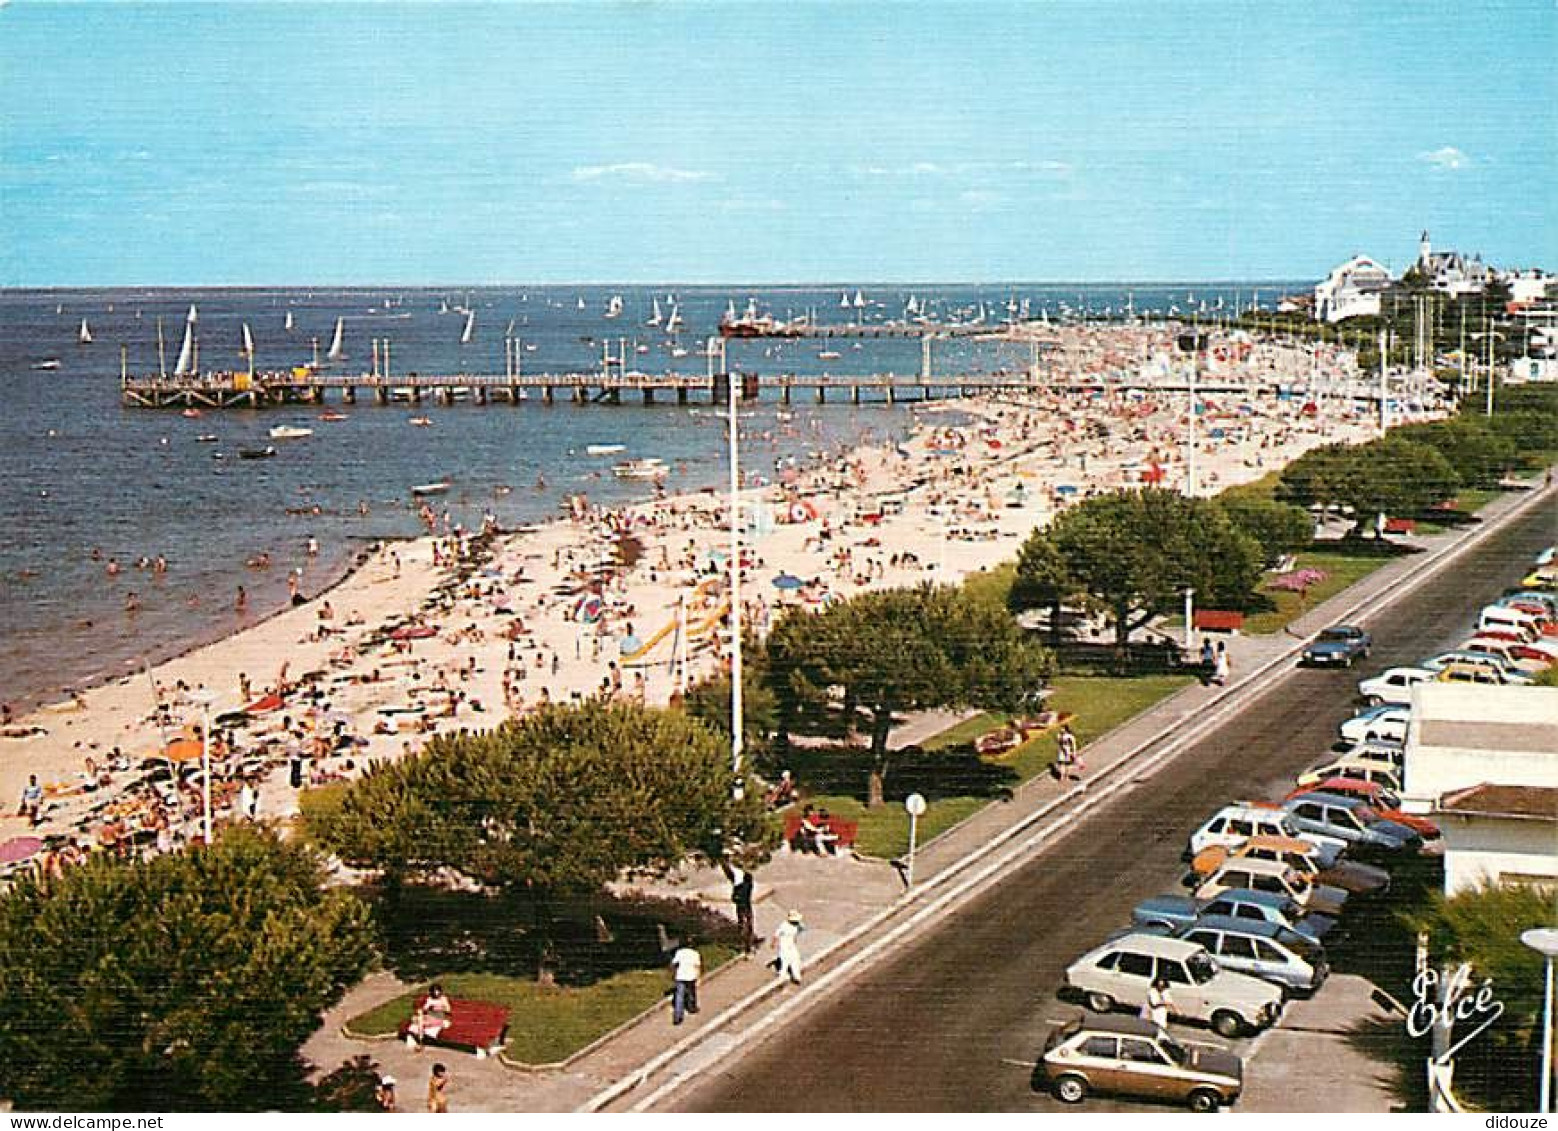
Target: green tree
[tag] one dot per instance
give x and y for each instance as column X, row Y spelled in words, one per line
column 185, row 983
column 1043, row 581
column 1479, row 454
column 883, row 653
column 558, row 803
column 1136, row 551
column 1392, row 476
column 1318, row 478
column 1279, row 528
column 708, row 701
column 1482, row 927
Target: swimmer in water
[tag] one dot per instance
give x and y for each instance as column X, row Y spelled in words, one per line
column 112, row 568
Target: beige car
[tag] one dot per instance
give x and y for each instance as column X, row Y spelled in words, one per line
column 1127, row 1056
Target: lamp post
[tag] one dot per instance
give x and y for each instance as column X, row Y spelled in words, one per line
column 736, row 721
column 204, row 699
column 1489, row 335
column 1544, row 940
column 914, row 804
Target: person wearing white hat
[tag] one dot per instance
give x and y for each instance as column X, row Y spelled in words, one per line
column 787, row 942
column 384, row 1094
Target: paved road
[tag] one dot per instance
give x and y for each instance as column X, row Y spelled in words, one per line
column 947, row 1023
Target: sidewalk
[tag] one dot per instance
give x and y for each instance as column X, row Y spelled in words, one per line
column 836, row 896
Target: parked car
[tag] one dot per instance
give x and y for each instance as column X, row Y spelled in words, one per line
column 1380, row 798
column 1393, row 686
column 1332, row 814
column 1234, row 824
column 1368, row 766
column 1373, row 723
column 1120, row 971
column 1532, row 659
column 1502, row 616
column 1339, row 645
column 1253, row 874
column 1178, row 911
column 1497, row 666
column 1262, row 950
column 1127, row 1056
column 1300, row 855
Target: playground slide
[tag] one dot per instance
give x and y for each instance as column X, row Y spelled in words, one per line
column 648, row 646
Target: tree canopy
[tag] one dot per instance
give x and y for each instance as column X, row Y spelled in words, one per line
column 1479, row 454
column 1043, row 580
column 187, row 982
column 560, row 802
column 897, row 650
column 1391, row 475
column 1279, row 528
column 1136, row 551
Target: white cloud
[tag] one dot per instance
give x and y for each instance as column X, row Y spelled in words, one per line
column 639, row 171
column 1445, row 157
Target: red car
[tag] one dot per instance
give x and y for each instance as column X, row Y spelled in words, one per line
column 1385, row 803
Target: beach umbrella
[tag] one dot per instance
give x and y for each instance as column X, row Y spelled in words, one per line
column 788, row 581
column 629, row 644
column 588, row 609
column 20, row 848
column 181, row 750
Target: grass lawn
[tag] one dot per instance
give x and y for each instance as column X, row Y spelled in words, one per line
column 547, row 1023
column 1098, row 704
column 1341, row 569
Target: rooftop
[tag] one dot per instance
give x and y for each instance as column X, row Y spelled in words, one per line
column 1520, row 802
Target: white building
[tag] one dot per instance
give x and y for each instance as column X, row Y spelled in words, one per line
column 1352, row 290
column 1526, row 287
column 1499, row 834
column 1450, row 271
column 1484, row 762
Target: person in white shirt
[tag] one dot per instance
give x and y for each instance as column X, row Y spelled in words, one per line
column 787, row 940
column 686, row 966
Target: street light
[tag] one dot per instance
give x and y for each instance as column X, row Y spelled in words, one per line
column 736, row 722
column 915, row 805
column 1544, row 940
column 1490, row 334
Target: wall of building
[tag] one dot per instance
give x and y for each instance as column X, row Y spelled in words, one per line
column 1480, row 850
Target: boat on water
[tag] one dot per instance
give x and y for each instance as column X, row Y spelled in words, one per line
column 256, row 453
column 470, row 328
column 337, row 350
column 614, row 307
column 206, row 438
column 191, row 414
column 829, row 355
column 647, row 468
column 604, row 449
column 431, row 488
column 47, row 363
column 420, row 422
column 290, row 432
column 673, row 322
column 290, row 325
column 85, row 336
column 332, row 417
column 656, row 318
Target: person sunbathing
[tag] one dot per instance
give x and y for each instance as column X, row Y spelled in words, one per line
column 431, row 1018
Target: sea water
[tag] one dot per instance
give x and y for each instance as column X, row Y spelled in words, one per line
column 84, row 479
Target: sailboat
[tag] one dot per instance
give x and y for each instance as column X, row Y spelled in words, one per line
column 85, row 337
column 336, row 353
column 192, row 317
column 843, row 300
column 186, row 362
column 614, row 307
column 248, row 342
column 674, row 322
column 289, row 320
column 655, row 318
column 470, row 328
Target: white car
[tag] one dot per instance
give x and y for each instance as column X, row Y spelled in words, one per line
column 1234, row 824
column 1388, row 723
column 1372, row 766
column 1393, row 686
column 1506, row 672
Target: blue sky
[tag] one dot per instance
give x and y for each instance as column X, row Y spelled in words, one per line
column 229, row 143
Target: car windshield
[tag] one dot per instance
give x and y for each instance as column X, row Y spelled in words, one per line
column 1335, row 635
column 1298, row 943
column 1202, row 968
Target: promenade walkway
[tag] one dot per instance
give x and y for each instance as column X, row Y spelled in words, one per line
column 841, row 897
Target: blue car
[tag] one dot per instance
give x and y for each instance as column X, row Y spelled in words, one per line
column 1177, row 912
column 1338, row 646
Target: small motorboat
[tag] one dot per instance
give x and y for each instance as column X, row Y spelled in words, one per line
column 432, row 488
column 191, row 414
column 332, row 417
column 604, row 449
column 47, row 363
column 206, row 438
column 649, row 468
column 421, row 421
column 256, row 453
column 290, row 432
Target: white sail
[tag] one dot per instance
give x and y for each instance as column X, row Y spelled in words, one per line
column 844, row 300
column 730, row 311
column 289, row 320
column 248, row 341
column 614, row 306
column 860, row 301
column 186, row 362
column 192, row 317
column 655, row 318
column 674, row 322
column 470, row 327
column 85, row 337
column 336, row 353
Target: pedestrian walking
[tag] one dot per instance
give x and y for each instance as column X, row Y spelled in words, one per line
column 1157, row 1006
column 32, row 801
column 438, row 1090
column 384, row 1094
column 1221, row 668
column 1208, row 660
column 686, row 967
column 741, row 885
column 787, row 941
column 1067, row 764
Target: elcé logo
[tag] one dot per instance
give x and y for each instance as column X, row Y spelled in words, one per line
column 1459, row 1003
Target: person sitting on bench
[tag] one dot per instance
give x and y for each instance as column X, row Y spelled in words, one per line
column 431, row 1018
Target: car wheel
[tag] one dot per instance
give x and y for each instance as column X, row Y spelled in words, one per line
column 1204, row 1099
column 1071, row 1089
column 1226, row 1024
column 1099, row 1003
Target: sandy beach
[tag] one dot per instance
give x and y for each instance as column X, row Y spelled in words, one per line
column 457, row 631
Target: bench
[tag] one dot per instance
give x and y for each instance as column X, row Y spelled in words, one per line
column 844, row 830
column 1218, row 620
column 1400, row 526
column 480, row 1027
